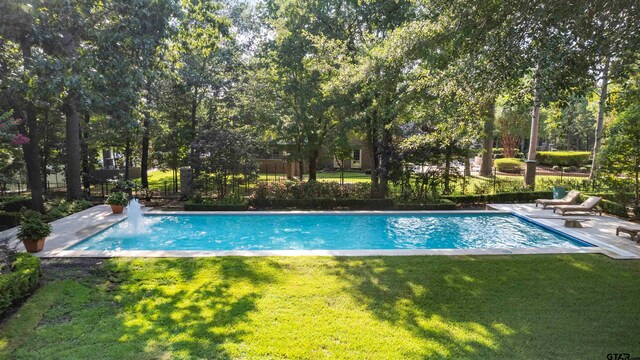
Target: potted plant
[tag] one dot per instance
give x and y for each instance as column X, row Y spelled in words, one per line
column 118, row 200
column 33, row 231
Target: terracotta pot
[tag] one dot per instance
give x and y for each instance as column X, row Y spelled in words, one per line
column 117, row 209
column 34, row 246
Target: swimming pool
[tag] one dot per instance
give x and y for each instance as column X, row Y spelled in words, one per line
column 329, row 231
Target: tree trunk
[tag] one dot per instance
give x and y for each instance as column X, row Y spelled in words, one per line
column 193, row 159
column 86, row 156
column 31, row 149
column 447, row 172
column 46, row 149
column 72, row 141
column 385, row 162
column 127, row 159
column 144, row 164
column 530, row 175
column 313, row 165
column 487, row 145
column 601, row 108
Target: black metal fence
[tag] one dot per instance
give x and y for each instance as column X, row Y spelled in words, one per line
column 412, row 182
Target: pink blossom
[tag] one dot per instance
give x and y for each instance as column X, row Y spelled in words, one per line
column 19, row 140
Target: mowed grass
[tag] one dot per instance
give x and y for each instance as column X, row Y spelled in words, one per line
column 517, row 307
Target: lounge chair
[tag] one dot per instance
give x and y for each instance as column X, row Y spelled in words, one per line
column 568, row 199
column 632, row 230
column 587, row 206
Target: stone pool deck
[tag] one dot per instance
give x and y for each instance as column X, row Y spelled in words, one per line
column 599, row 230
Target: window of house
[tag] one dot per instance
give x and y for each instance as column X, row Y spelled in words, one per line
column 276, row 154
column 357, row 155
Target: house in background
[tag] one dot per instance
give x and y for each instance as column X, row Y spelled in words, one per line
column 276, row 160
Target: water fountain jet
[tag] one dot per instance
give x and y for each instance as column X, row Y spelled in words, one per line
column 134, row 216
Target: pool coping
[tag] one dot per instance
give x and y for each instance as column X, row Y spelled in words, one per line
column 83, row 234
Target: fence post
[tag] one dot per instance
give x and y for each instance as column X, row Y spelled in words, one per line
column 561, row 173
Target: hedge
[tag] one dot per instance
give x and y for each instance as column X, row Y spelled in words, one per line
column 513, row 197
column 324, row 203
column 444, row 204
column 510, row 165
column 9, row 219
column 499, row 153
column 608, row 206
column 563, row 158
column 15, row 204
column 21, row 281
column 190, row 206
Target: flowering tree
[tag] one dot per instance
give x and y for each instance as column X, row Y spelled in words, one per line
column 9, row 131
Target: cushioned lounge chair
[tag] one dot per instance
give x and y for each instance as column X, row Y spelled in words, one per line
column 568, row 199
column 588, row 206
column 633, row 230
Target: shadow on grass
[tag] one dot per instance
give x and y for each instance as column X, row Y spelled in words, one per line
column 518, row 307
column 188, row 308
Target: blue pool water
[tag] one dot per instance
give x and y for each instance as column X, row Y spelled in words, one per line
column 328, row 232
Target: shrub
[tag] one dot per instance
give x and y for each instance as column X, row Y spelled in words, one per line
column 441, row 204
column 498, row 153
column 510, row 165
column 563, row 158
column 79, row 205
column 569, row 168
column 191, row 206
column 311, row 190
column 9, row 219
column 118, row 198
column 510, row 197
column 607, row 205
column 14, row 204
column 324, row 203
column 32, row 227
column 22, row 280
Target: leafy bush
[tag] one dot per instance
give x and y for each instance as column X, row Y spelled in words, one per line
column 498, row 153
column 440, row 204
column 32, row 227
column 563, row 158
column 118, row 198
column 15, row 203
column 311, row 190
column 324, row 203
column 510, row 197
column 607, row 204
column 9, row 219
column 62, row 208
column 230, row 203
column 510, row 165
column 191, row 206
column 22, row 280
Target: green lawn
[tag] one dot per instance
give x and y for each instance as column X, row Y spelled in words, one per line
column 523, row 307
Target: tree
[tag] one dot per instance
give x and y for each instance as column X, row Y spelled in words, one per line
column 19, row 34
column 621, row 152
column 613, row 33
column 225, row 152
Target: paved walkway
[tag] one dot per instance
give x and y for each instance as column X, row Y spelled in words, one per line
column 70, row 229
column 599, row 230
